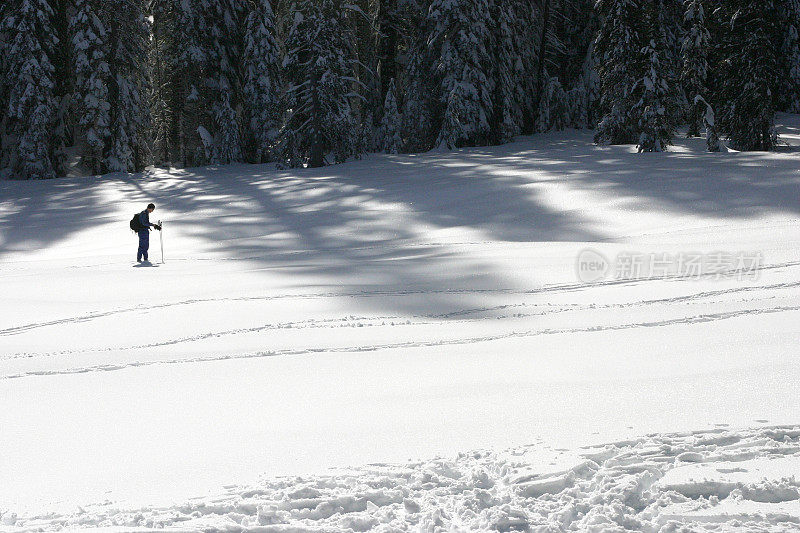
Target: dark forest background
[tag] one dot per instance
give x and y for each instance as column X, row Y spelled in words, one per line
column 96, row 86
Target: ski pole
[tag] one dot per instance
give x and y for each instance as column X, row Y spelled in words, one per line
column 161, row 239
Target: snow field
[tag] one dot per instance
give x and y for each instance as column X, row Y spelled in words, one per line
column 396, row 309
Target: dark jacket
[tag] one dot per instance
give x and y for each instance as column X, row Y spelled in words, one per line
column 144, row 218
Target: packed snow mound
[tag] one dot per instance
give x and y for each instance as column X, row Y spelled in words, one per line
column 719, row 480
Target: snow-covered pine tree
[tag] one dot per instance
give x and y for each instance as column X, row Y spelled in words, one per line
column 790, row 55
column 547, row 39
column 5, row 84
column 227, row 147
column 590, row 79
column 367, row 141
column 93, row 77
column 543, row 91
column 261, row 82
column 568, row 55
column 162, row 62
column 694, row 51
column 363, row 28
column 558, row 105
column 192, row 99
column 319, row 69
column 658, row 105
column 516, row 60
column 4, row 74
column 207, row 48
column 64, row 75
column 669, row 27
column 420, row 104
column 389, row 27
column 29, row 43
column 419, row 101
column 639, row 93
column 747, row 72
column 710, row 124
column 129, row 33
column 390, row 140
column 223, row 20
column 512, row 47
column 577, row 106
column 109, row 39
column 459, row 41
column 620, row 65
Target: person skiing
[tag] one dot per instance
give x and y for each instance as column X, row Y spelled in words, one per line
column 144, row 233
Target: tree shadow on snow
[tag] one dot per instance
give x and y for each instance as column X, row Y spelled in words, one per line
column 393, row 223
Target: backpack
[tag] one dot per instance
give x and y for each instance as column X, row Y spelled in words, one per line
column 136, row 224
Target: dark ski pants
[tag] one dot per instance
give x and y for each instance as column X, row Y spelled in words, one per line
column 144, row 245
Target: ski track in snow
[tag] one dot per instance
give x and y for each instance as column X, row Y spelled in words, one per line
column 398, row 321
column 720, row 480
column 697, row 319
column 402, row 292
column 382, row 321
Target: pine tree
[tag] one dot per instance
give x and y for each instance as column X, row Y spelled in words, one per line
column 129, row 34
column 695, row 51
column 225, row 22
column 542, row 117
column 321, row 83
column 420, row 105
column 657, row 107
column 518, row 55
column 188, row 95
column 206, row 86
column 513, row 51
column 558, row 104
column 390, row 140
column 227, row 147
column 420, row 100
column 64, row 74
column 790, row 55
column 162, row 66
column 638, row 78
column 459, row 42
column 29, row 145
column 747, row 73
column 590, row 80
column 710, row 123
column 389, row 28
column 620, row 66
column 577, row 106
column 261, row 82
column 89, row 40
column 5, row 79
column 109, row 40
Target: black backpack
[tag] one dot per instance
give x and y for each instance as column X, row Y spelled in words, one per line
column 136, row 224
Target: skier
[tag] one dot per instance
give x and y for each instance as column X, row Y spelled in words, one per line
column 144, row 233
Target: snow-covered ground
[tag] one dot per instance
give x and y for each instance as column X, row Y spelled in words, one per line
column 393, row 310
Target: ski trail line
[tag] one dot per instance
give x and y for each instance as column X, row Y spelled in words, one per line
column 15, row 330
column 697, row 319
